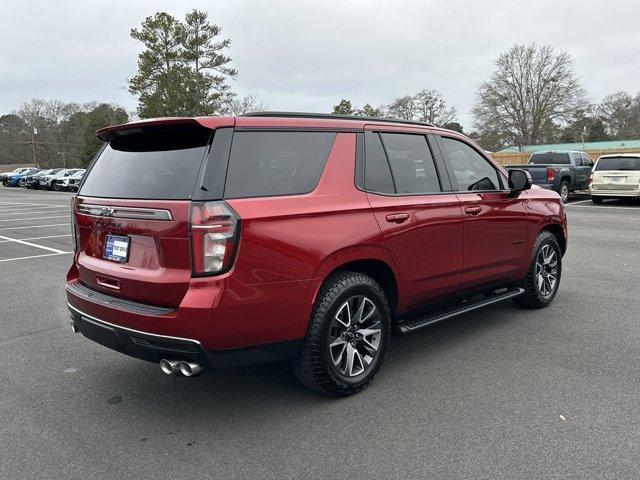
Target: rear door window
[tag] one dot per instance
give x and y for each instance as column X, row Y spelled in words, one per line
column 154, row 162
column 412, row 165
column 264, row 164
column 377, row 176
column 549, row 158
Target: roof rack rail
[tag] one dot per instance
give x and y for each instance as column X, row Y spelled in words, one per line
column 333, row 116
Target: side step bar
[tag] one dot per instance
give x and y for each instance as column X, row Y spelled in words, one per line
column 413, row 324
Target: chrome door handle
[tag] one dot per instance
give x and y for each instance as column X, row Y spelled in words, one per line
column 397, row 217
column 473, row 210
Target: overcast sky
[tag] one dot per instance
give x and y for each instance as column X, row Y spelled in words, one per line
column 307, row 55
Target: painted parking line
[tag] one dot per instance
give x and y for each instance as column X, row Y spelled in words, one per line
column 32, row 204
column 29, row 244
column 40, row 238
column 43, row 210
column 34, row 226
column 631, row 209
column 35, row 256
column 31, row 218
column 581, row 201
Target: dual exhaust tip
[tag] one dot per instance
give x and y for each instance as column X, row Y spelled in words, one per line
column 188, row 369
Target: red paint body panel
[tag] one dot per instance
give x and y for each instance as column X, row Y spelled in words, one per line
column 288, row 245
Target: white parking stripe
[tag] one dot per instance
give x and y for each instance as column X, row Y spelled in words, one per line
column 631, row 209
column 38, row 204
column 581, row 201
column 40, row 238
column 29, row 244
column 44, row 210
column 34, row 226
column 31, row 218
column 35, row 256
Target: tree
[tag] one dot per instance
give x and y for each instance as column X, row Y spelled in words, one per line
column 455, row 126
column 532, row 88
column 343, row 108
column 182, row 70
column 369, row 111
column 14, row 138
column 101, row 116
column 402, row 108
column 425, row 106
column 246, row 104
column 620, row 113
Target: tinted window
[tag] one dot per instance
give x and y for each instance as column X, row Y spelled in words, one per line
column 411, row 163
column 549, row 159
column 577, row 158
column 376, row 171
column 276, row 163
column 471, row 171
column 586, row 160
column 155, row 162
column 618, row 163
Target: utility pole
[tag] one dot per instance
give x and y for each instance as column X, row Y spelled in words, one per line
column 34, row 132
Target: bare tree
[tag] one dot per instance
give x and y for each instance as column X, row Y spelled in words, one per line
column 532, row 88
column 246, row 104
column 620, row 113
column 425, row 106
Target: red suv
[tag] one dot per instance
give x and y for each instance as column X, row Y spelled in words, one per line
column 208, row 242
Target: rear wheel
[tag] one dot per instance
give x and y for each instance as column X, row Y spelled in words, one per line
column 564, row 191
column 543, row 277
column 597, row 200
column 347, row 336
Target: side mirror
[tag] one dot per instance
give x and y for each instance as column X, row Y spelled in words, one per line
column 519, row 180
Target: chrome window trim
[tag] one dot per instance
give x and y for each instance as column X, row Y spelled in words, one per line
column 123, row 212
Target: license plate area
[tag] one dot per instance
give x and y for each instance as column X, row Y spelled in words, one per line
column 616, row 179
column 116, row 248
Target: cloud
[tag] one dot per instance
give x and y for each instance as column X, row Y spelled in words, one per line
column 308, row 55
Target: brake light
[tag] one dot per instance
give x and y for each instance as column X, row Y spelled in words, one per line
column 590, row 179
column 214, row 236
column 551, row 174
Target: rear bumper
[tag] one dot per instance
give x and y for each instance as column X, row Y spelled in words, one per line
column 152, row 347
column 615, row 193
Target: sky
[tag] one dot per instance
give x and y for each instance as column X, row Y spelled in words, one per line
column 307, row 55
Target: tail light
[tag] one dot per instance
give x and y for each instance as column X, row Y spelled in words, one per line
column 590, row 179
column 551, row 174
column 214, row 236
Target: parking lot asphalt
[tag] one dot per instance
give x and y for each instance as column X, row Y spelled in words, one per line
column 502, row 393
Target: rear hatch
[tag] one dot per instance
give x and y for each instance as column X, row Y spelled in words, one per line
column 542, row 165
column 132, row 212
column 616, row 173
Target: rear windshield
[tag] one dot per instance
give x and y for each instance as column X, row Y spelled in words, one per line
column 154, row 162
column 618, row 163
column 549, row 159
column 266, row 164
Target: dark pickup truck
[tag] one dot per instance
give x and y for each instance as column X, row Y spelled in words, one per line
column 560, row 171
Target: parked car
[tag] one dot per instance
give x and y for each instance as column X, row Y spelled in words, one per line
column 48, row 181
column 34, row 181
column 27, row 180
column 216, row 241
column 74, row 181
column 560, row 171
column 4, row 177
column 615, row 176
column 63, row 183
column 14, row 180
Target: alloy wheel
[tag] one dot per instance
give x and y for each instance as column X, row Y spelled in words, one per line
column 546, row 270
column 354, row 336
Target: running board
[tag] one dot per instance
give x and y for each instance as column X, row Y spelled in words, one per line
column 414, row 324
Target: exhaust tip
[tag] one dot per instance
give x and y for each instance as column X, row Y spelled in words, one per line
column 169, row 366
column 190, row 369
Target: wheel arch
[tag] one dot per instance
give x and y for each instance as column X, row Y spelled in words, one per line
column 557, row 232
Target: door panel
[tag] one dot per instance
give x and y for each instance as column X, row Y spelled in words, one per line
column 495, row 229
column 424, row 236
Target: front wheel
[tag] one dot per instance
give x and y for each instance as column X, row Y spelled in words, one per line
column 347, row 336
column 543, row 277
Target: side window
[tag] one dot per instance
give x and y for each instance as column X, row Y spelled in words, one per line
column 471, row 171
column 586, row 160
column 577, row 158
column 265, row 164
column 412, row 164
column 377, row 176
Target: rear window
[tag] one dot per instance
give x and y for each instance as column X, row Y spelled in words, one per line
column 154, row 162
column 618, row 163
column 549, row 159
column 264, row 164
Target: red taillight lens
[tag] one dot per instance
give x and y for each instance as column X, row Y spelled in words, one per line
column 590, row 179
column 214, row 235
column 551, row 174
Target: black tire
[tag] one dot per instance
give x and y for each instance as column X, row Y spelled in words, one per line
column 564, row 191
column 532, row 296
column 313, row 365
column 597, row 200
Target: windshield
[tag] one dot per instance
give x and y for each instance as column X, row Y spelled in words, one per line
column 618, row 163
column 549, row 158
